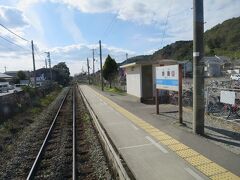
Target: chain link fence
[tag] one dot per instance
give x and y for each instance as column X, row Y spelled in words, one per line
column 214, row 94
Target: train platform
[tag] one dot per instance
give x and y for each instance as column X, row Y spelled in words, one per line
column 153, row 148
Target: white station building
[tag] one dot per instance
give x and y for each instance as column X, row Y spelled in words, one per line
column 140, row 76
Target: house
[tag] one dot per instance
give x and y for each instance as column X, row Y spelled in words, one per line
column 25, row 82
column 14, row 73
column 212, row 67
column 187, row 68
column 215, row 66
column 5, row 77
column 140, row 75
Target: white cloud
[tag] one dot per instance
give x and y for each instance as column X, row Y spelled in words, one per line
column 150, row 52
column 178, row 25
column 68, row 20
column 12, row 17
column 171, row 17
column 74, row 55
column 147, row 12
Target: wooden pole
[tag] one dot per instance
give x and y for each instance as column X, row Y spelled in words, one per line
column 180, row 93
column 157, row 101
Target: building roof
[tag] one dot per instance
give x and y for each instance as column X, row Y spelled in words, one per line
column 14, row 73
column 216, row 60
column 148, row 61
column 5, row 76
column 136, row 59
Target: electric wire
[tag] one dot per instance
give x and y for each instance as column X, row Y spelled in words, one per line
column 166, row 23
column 14, row 33
column 14, row 43
column 109, row 27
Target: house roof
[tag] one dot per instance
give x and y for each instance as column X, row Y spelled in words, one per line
column 5, row 76
column 216, row 60
column 136, row 59
column 146, row 60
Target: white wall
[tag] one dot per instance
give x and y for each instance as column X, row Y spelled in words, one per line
column 134, row 82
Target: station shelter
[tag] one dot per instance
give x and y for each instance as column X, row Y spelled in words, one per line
column 140, row 77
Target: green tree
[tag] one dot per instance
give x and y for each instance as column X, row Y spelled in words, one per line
column 21, row 75
column 110, row 70
column 15, row 80
column 62, row 74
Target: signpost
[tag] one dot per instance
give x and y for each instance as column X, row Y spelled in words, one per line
column 169, row 78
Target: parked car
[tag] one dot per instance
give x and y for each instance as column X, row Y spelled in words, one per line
column 3, row 88
column 235, row 77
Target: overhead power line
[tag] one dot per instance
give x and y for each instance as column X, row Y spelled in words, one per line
column 14, row 43
column 109, row 27
column 166, row 22
column 13, row 33
column 38, row 53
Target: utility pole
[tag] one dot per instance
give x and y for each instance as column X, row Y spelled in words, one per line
column 49, row 64
column 93, row 75
column 46, row 63
column 100, row 49
column 88, row 71
column 93, row 61
column 126, row 57
column 34, row 68
column 198, row 67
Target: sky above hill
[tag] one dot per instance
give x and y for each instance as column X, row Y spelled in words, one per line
column 70, row 29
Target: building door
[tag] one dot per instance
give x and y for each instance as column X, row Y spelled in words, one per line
column 147, row 82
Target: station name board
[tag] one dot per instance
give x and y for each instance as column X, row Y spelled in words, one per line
column 167, row 77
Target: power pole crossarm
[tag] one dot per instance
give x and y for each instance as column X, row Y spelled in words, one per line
column 34, row 68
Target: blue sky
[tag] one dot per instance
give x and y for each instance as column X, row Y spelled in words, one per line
column 69, row 29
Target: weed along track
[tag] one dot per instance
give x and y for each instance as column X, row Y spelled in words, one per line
column 71, row 148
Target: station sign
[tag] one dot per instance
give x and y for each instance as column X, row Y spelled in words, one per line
column 167, row 77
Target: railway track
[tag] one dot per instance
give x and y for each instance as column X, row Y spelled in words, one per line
column 56, row 158
column 71, row 148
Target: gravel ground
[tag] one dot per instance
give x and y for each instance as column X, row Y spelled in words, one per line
column 16, row 160
column 92, row 163
column 56, row 161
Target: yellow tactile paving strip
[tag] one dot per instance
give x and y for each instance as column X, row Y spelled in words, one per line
column 225, row 176
column 203, row 164
column 187, row 153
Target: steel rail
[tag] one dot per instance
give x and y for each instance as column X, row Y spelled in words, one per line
column 74, row 135
column 37, row 159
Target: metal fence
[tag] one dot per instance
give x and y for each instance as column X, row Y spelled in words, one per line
column 214, row 98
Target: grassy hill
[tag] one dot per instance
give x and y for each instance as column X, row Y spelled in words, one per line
column 223, row 40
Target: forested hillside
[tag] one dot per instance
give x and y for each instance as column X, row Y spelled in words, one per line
column 222, row 39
